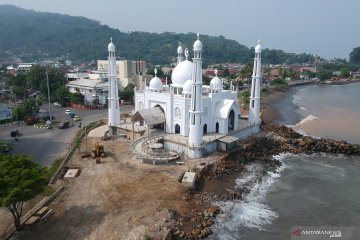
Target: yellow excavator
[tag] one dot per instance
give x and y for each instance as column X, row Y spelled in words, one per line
column 98, row 150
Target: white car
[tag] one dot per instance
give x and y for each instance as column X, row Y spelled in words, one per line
column 67, row 111
column 57, row 104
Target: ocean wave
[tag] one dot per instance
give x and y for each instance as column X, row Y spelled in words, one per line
column 296, row 100
column 309, row 118
column 251, row 212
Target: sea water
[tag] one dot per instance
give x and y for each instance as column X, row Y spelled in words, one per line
column 308, row 190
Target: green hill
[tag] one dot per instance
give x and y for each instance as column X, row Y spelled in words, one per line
column 35, row 35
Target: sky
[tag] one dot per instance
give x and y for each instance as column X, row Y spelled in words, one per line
column 329, row 28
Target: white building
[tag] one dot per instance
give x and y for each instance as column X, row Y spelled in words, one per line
column 93, row 90
column 190, row 108
column 127, row 71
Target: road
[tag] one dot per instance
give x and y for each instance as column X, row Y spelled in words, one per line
column 48, row 145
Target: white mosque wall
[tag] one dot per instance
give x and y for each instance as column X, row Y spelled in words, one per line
column 176, row 108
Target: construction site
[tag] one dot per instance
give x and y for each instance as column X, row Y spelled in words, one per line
column 107, row 192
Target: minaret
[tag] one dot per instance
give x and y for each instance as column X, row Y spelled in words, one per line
column 180, row 53
column 114, row 108
column 254, row 109
column 196, row 130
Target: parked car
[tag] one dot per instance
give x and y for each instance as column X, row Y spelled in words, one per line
column 57, row 104
column 76, row 118
column 63, row 125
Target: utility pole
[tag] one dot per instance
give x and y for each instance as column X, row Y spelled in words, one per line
column 48, row 88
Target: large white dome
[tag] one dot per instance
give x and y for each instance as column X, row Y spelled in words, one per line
column 155, row 84
column 181, row 73
column 187, row 88
column 216, row 83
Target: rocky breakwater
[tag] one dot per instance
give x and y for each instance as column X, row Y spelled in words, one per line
column 202, row 222
column 260, row 150
column 294, row 142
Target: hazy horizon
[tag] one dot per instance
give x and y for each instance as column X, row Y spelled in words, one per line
column 307, row 26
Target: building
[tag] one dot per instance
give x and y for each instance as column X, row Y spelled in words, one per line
column 94, row 91
column 127, row 72
column 175, row 101
column 190, row 109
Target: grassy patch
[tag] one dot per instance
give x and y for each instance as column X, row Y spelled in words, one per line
column 48, row 190
column 4, row 121
column 55, row 166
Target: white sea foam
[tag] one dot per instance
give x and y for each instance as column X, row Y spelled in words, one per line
column 309, row 118
column 251, row 212
column 296, row 100
column 302, row 108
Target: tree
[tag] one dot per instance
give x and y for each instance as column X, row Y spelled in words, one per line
column 26, row 109
column 246, row 98
column 20, row 180
column 324, row 74
column 127, row 94
column 37, row 79
column 344, row 73
column 355, row 55
column 61, row 95
column 246, row 72
column 76, row 98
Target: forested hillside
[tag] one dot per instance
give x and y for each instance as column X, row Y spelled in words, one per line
column 35, row 35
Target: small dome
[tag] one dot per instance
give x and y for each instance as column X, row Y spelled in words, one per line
column 181, row 73
column 155, row 84
column 216, row 83
column 258, row 47
column 198, row 45
column 111, row 47
column 187, row 88
column 180, row 49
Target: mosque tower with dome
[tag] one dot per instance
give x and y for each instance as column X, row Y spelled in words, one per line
column 254, row 108
column 114, row 108
column 196, row 131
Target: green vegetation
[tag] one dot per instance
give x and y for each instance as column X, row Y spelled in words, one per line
column 20, row 180
column 54, row 167
column 48, row 190
column 276, row 83
column 245, row 98
column 355, row 56
column 127, row 94
column 43, row 35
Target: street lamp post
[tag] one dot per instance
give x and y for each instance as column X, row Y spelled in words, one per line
column 48, row 89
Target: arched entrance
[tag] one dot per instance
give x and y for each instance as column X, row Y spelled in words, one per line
column 177, row 129
column 205, row 128
column 231, row 122
column 159, row 126
column 217, row 127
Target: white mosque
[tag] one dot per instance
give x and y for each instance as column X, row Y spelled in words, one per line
column 190, row 109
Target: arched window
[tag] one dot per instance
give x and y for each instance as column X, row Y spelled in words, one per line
column 231, row 122
column 177, row 129
column 205, row 128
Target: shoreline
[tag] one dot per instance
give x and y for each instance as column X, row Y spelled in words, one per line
column 132, row 207
column 271, row 96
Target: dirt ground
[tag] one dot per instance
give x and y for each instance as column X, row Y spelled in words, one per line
column 117, row 199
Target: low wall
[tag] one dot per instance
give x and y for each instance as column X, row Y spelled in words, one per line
column 209, row 147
